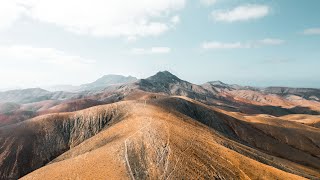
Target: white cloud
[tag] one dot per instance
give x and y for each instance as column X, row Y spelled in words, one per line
column 131, row 38
column 23, row 53
column 271, row 41
column 160, row 50
column 208, row 2
column 153, row 50
column 175, row 19
column 241, row 13
column 220, row 45
column 101, row 18
column 242, row 45
column 10, row 11
column 312, row 31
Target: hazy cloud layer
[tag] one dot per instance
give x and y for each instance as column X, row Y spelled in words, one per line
column 153, row 50
column 271, row 41
column 221, row 45
column 312, row 31
column 241, row 13
column 241, row 45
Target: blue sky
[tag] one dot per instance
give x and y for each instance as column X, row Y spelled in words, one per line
column 259, row 43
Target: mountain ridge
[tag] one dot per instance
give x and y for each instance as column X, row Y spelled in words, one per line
column 83, row 135
column 36, row 101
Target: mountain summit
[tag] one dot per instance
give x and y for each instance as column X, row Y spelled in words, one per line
column 167, row 83
column 164, row 76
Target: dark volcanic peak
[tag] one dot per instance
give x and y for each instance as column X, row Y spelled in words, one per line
column 217, row 83
column 218, row 86
column 164, row 76
column 167, row 83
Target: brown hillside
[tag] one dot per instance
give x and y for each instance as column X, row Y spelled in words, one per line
column 166, row 138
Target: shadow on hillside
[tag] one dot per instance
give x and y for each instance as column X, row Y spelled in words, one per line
column 258, row 109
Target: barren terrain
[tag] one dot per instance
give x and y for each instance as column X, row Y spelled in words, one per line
column 162, row 128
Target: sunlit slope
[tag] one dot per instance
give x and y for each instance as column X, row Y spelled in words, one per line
column 162, row 139
column 311, row 120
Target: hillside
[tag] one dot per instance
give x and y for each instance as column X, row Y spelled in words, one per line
column 311, row 120
column 166, row 137
column 307, row 93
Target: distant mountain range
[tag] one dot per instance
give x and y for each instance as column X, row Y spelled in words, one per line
column 26, row 103
column 99, row 84
column 110, row 87
column 163, row 82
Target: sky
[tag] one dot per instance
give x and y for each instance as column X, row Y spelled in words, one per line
column 246, row 42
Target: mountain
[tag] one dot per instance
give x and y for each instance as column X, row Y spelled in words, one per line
column 107, row 80
column 19, row 105
column 219, row 84
column 114, row 88
column 166, row 138
column 161, row 127
column 63, row 87
column 307, row 93
column 34, row 95
column 98, row 85
column 8, row 107
column 24, row 95
column 167, row 83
